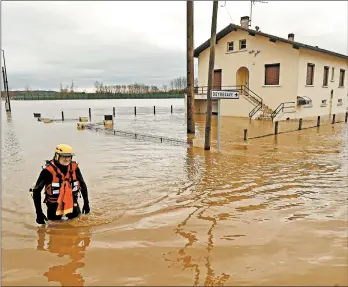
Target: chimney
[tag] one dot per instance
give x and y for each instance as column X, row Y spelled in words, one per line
column 291, row 37
column 244, row 22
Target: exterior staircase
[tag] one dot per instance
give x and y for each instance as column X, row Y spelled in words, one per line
column 260, row 111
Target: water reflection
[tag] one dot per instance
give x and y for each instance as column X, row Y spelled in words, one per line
column 69, row 241
column 205, row 184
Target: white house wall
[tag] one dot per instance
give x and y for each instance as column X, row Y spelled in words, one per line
column 270, row 53
column 317, row 92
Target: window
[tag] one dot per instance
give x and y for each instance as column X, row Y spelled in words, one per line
column 326, row 76
column 229, row 46
column 242, row 44
column 332, row 74
column 272, row 74
column 323, row 103
column 310, row 74
column 340, row 103
column 342, row 72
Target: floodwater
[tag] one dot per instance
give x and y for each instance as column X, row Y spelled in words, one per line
column 269, row 211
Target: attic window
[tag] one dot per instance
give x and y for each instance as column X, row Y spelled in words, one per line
column 229, row 46
column 242, row 44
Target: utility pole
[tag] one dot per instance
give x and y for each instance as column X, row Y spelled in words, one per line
column 210, row 75
column 190, row 69
column 7, row 103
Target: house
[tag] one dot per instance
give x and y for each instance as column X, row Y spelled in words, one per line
column 276, row 78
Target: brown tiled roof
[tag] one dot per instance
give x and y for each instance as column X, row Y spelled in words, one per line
column 233, row 27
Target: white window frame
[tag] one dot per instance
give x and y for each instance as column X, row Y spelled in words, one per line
column 240, row 44
column 228, row 46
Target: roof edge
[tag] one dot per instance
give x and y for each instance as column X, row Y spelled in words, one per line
column 233, row 27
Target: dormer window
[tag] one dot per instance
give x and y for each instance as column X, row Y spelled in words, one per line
column 229, row 46
column 242, row 44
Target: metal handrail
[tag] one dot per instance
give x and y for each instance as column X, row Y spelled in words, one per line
column 255, row 110
column 204, row 89
column 280, row 108
column 259, row 101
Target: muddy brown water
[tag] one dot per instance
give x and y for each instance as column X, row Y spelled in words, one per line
column 268, row 211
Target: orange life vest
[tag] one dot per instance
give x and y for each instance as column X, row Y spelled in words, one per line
column 61, row 181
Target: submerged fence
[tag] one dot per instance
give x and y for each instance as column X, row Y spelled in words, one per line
column 300, row 127
column 155, row 138
column 106, row 126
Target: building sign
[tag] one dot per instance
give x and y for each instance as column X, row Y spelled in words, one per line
column 224, row 95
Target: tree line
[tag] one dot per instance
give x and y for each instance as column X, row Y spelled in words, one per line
column 177, row 85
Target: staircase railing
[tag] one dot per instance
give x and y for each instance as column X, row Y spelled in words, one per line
column 256, row 99
column 281, row 108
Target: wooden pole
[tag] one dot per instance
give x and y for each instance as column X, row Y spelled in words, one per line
column 171, row 109
column 190, row 68
column 276, row 128
column 245, row 134
column 6, row 85
column 300, row 125
column 333, row 118
column 318, row 121
column 90, row 114
column 154, row 110
column 62, row 116
column 113, row 111
column 210, row 75
column 135, row 111
column 346, row 118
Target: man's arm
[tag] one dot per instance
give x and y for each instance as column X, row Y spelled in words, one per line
column 84, row 190
column 44, row 178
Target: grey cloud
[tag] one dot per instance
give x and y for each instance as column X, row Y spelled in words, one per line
column 54, row 49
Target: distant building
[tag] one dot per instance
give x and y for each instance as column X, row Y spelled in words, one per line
column 273, row 74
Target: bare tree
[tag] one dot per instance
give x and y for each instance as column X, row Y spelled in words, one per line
column 72, row 86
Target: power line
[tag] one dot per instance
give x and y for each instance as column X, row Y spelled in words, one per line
column 227, row 10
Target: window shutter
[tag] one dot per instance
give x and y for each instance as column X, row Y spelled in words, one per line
column 326, row 76
column 217, row 79
column 309, row 80
column 341, row 81
column 272, row 75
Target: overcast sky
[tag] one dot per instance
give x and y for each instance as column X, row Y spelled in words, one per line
column 48, row 43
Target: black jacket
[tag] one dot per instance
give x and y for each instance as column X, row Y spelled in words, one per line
column 46, row 177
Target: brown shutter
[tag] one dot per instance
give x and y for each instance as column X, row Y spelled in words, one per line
column 310, row 68
column 326, row 76
column 341, row 82
column 272, row 75
column 217, row 79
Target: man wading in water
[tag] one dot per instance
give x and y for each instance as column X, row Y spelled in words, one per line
column 63, row 181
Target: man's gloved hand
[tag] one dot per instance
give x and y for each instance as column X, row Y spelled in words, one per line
column 85, row 208
column 41, row 218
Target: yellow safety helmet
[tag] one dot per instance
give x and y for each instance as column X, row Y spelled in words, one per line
column 63, row 150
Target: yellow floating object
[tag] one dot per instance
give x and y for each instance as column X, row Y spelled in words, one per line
column 47, row 121
column 83, row 119
column 108, row 123
column 80, row 126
